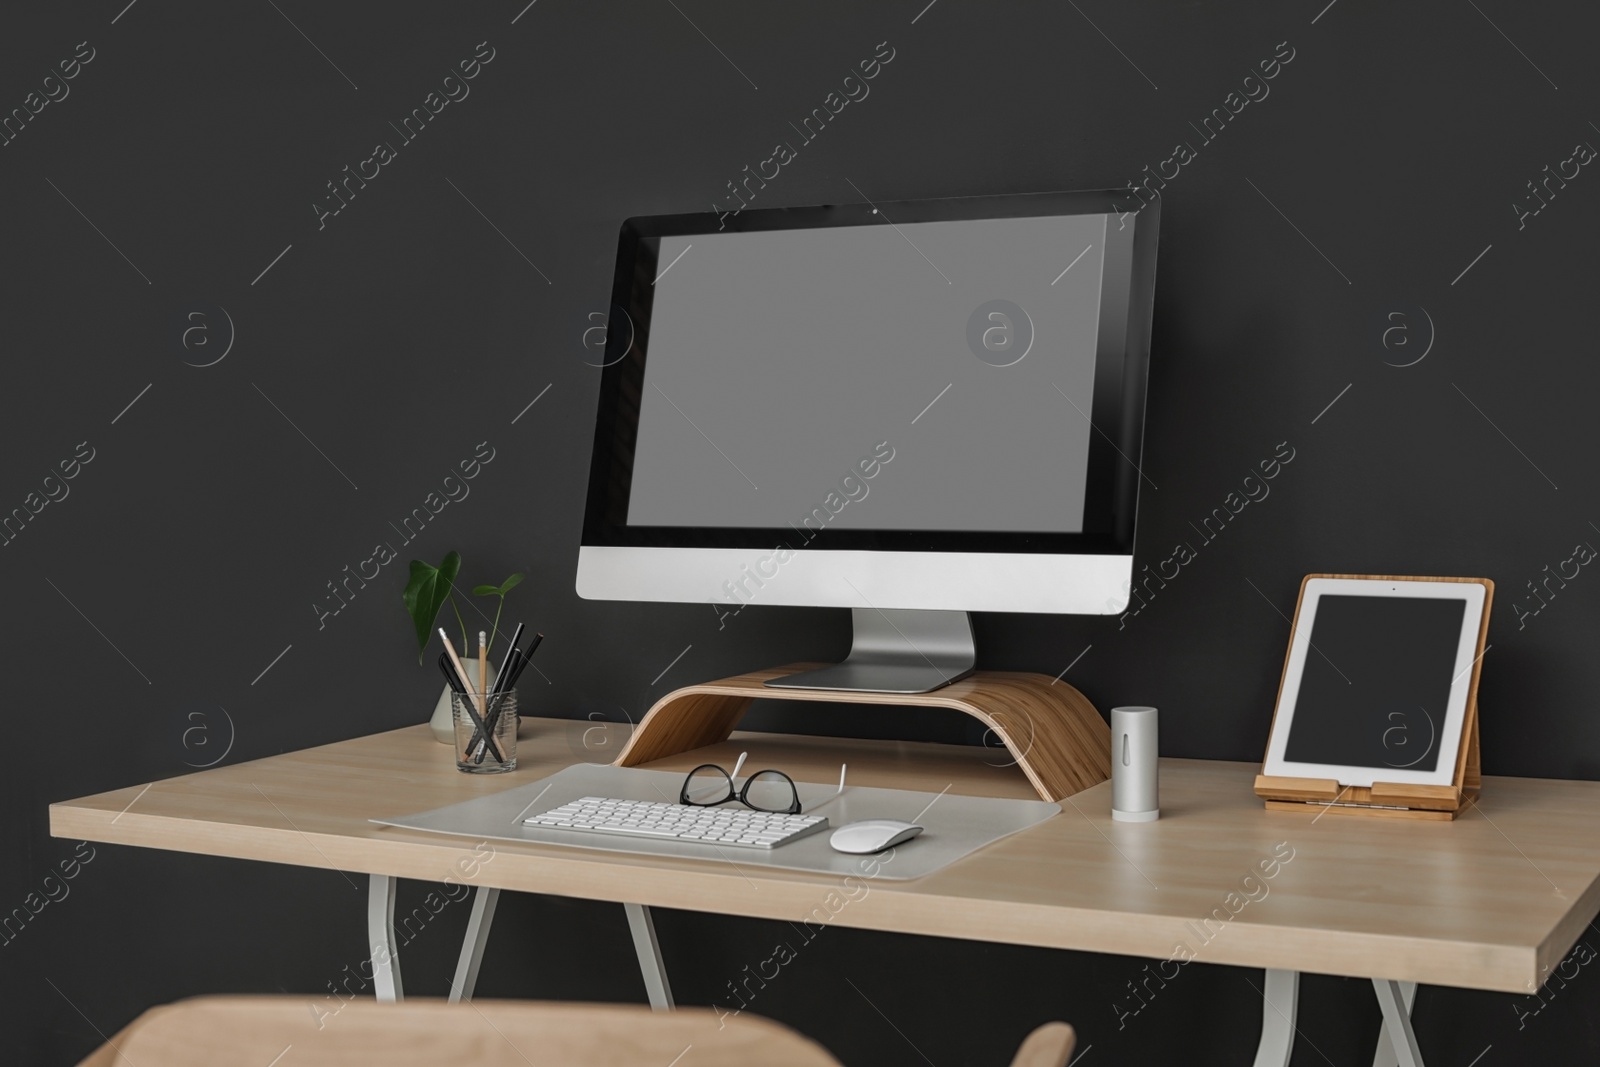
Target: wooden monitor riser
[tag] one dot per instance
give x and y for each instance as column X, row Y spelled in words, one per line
column 1052, row 731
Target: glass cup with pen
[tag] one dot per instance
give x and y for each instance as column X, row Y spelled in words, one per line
column 485, row 716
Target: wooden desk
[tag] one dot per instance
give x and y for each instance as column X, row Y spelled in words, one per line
column 1491, row 901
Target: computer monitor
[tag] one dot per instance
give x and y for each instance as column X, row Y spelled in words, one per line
column 913, row 410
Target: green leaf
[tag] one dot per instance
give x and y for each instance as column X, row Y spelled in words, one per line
column 498, row 590
column 426, row 593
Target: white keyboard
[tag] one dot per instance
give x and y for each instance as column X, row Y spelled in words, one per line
column 736, row 827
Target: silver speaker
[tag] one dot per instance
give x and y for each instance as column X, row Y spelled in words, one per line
column 1134, row 793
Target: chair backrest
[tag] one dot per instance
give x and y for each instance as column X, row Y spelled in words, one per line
column 1048, row 1046
column 208, row 1031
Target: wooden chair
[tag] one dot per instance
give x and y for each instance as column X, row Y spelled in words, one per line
column 290, row 1032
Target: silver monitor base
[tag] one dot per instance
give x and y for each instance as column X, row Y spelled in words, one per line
column 897, row 650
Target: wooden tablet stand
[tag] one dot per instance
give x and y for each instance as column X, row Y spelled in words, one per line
column 1442, row 802
column 1388, row 799
column 1052, row 731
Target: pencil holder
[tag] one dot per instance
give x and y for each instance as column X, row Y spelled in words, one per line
column 485, row 744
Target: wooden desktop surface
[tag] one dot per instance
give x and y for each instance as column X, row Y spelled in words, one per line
column 1491, row 901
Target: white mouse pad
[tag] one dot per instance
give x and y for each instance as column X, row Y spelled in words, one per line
column 953, row 825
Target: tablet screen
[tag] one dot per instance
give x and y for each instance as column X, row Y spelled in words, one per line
column 1376, row 682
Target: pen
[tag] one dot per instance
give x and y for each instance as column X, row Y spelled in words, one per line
column 472, row 697
column 525, row 659
column 522, row 659
column 450, row 675
column 511, row 653
column 456, row 686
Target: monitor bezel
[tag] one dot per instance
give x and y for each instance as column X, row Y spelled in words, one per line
column 1116, row 412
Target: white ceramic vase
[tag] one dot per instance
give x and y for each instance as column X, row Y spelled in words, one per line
column 442, row 725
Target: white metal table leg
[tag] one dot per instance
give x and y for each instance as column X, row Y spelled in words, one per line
column 648, row 950
column 1385, row 1056
column 1397, row 1023
column 380, row 935
column 1281, row 1001
column 478, row 923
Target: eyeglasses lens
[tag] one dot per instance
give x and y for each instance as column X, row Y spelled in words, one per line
column 770, row 791
column 708, row 785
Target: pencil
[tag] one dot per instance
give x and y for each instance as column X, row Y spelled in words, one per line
column 483, row 669
column 455, row 661
column 457, row 689
column 474, row 713
column 483, row 692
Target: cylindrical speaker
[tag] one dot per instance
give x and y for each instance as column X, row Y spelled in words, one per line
column 1134, row 794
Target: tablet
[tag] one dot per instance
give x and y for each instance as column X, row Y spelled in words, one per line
column 1377, row 681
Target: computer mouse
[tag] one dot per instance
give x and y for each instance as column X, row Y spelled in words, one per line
column 872, row 835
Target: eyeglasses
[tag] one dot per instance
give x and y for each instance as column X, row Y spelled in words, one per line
column 768, row 790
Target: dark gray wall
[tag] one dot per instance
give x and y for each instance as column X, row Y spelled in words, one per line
column 379, row 349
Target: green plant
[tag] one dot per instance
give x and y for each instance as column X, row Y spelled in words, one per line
column 498, row 591
column 430, row 587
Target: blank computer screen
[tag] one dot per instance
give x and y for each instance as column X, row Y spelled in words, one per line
column 778, row 362
column 1376, row 682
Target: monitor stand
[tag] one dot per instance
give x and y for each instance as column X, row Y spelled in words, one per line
column 1052, row 732
column 897, row 650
